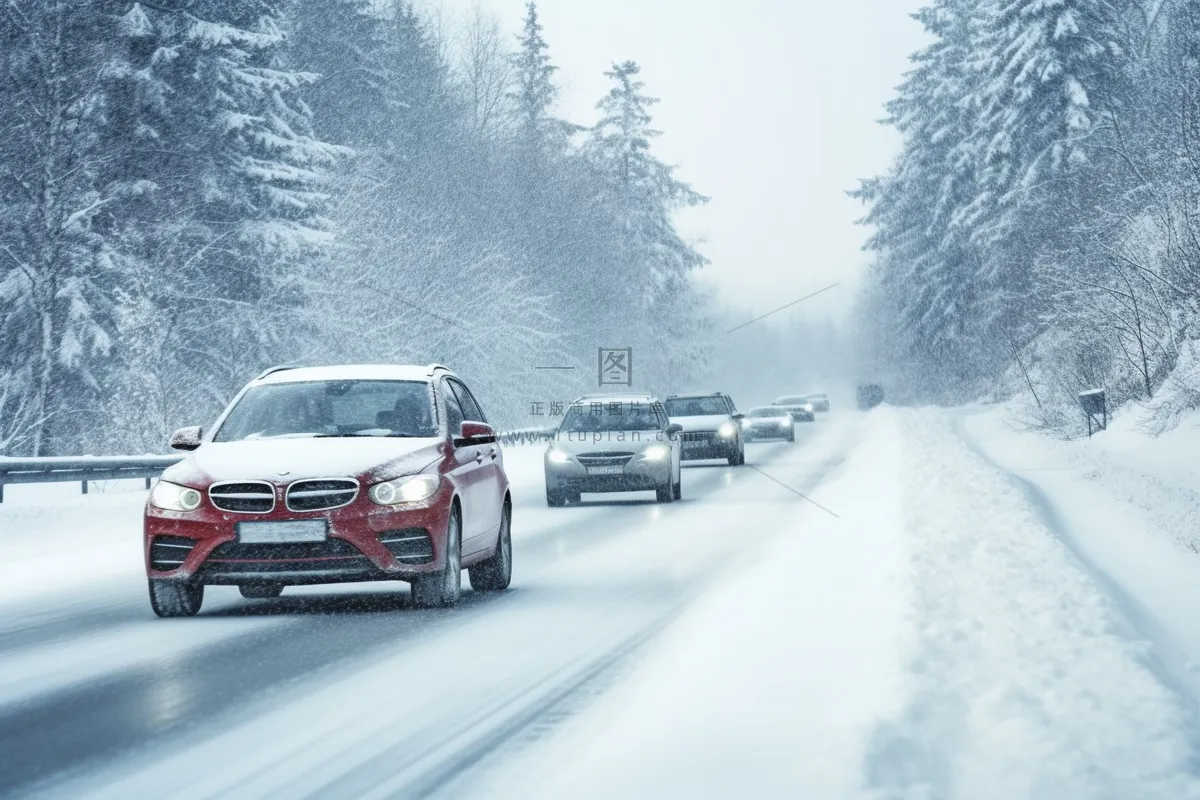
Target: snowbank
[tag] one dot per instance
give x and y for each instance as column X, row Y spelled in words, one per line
column 940, row 639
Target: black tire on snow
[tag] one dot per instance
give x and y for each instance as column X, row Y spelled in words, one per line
column 555, row 499
column 665, row 494
column 495, row 573
column 176, row 598
column 260, row 591
column 677, row 489
column 443, row 588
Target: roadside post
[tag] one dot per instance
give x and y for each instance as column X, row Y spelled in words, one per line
column 1095, row 409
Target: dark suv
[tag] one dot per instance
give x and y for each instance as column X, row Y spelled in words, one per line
column 711, row 426
column 331, row 475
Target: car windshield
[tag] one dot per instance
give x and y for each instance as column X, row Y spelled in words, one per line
column 695, row 406
column 316, row 409
column 766, row 412
column 610, row 416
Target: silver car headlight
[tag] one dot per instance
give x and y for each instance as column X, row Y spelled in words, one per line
column 727, row 431
column 656, row 452
column 558, row 457
column 173, row 497
column 785, row 421
column 405, row 491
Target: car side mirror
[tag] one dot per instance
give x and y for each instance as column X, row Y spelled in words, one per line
column 739, row 416
column 674, row 429
column 475, row 433
column 186, row 438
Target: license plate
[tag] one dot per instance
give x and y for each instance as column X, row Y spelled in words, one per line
column 694, row 445
column 292, row 531
column 605, row 470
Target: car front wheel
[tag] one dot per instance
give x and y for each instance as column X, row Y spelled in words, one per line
column 176, row 598
column 443, row 588
column 495, row 573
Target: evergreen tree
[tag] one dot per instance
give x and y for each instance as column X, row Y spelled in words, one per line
column 651, row 263
column 56, row 258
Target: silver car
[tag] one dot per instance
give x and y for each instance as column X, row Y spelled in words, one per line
column 613, row 443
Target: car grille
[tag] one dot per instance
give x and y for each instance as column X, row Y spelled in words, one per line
column 408, row 545
column 698, row 436
column 602, row 458
column 169, row 552
column 245, row 497
column 233, row 557
column 321, row 494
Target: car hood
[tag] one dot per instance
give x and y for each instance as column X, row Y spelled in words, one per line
column 706, row 423
column 292, row 459
column 620, row 441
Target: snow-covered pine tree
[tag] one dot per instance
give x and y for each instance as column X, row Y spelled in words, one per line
column 1047, row 69
column 651, row 263
column 57, row 270
column 234, row 210
column 925, row 265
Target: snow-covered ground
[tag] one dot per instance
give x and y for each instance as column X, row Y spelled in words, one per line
column 938, row 640
column 911, row 603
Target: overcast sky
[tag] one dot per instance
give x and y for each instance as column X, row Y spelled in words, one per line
column 769, row 106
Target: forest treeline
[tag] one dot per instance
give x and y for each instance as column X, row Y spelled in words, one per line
column 192, row 190
column 1040, row 230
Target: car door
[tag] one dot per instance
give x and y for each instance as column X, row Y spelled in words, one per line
column 486, row 488
column 467, row 471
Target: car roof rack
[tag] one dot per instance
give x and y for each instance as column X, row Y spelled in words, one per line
column 277, row 368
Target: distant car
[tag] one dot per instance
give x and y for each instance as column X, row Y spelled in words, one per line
column 798, row 406
column 613, row 443
column 768, row 422
column 332, row 475
column 711, row 426
column 819, row 402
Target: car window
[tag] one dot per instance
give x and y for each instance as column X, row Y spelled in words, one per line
column 466, row 401
column 330, row 408
column 696, row 406
column 766, row 412
column 454, row 412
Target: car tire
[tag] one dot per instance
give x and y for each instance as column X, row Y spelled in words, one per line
column 176, row 598
column 791, row 437
column 260, row 591
column 555, row 499
column 677, row 489
column 665, row 494
column 495, row 573
column 443, row 588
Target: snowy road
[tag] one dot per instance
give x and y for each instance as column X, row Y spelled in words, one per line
column 937, row 630
column 350, row 689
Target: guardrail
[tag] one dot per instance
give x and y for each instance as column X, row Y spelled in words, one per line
column 65, row 469
column 82, row 468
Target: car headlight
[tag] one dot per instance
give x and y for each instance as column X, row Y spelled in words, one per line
column 558, row 457
column 173, row 497
column 656, row 452
column 405, row 491
column 728, row 430
column 785, row 421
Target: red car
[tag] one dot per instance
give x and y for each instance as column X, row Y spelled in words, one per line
column 332, row 475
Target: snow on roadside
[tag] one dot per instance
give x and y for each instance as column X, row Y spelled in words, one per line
column 1027, row 682
column 1129, row 506
column 938, row 641
column 770, row 685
